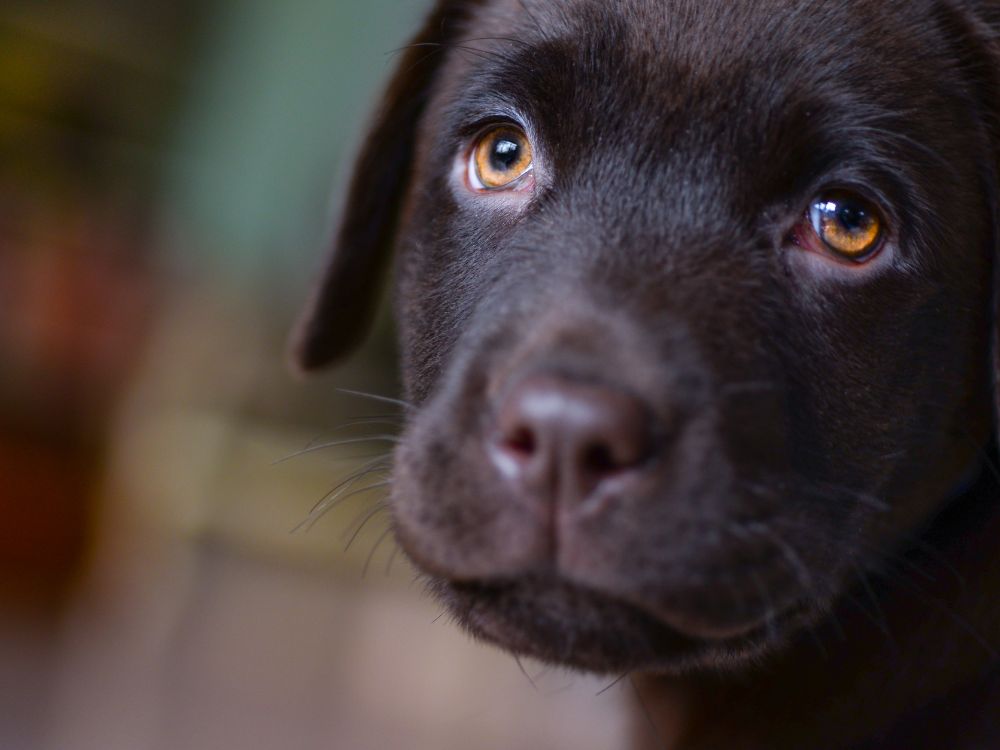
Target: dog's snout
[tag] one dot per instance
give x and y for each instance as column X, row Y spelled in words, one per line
column 564, row 439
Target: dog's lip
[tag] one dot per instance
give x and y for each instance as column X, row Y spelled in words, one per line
column 607, row 636
column 686, row 625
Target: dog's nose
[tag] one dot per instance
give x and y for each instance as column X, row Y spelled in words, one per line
column 565, row 439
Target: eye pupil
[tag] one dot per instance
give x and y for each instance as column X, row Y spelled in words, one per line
column 854, row 218
column 505, row 155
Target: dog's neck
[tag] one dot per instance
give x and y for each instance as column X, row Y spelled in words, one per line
column 925, row 638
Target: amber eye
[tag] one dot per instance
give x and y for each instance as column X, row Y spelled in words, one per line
column 847, row 224
column 501, row 156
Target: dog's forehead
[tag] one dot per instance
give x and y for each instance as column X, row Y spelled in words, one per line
column 707, row 31
column 659, row 52
column 703, row 59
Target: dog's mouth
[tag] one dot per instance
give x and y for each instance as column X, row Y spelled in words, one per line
column 558, row 621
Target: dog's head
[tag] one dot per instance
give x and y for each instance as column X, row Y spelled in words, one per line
column 694, row 301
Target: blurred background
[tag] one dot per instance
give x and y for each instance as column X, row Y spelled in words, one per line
column 164, row 189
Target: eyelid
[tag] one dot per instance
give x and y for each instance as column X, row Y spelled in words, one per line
column 876, row 186
column 473, row 123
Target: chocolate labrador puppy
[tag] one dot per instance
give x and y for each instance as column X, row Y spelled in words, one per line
column 695, row 301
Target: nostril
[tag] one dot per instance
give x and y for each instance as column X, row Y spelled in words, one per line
column 521, row 442
column 599, row 459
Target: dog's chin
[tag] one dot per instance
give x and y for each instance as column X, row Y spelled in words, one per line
column 561, row 623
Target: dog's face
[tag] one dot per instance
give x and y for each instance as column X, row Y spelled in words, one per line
column 694, row 302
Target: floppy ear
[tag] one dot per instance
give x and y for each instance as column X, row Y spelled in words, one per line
column 342, row 306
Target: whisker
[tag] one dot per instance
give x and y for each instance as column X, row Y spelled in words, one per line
column 654, row 730
column 338, row 444
column 363, row 490
column 612, row 685
column 379, row 508
column 351, row 479
column 481, row 53
column 375, row 397
column 434, row 52
column 509, row 39
column 534, row 19
column 326, row 507
column 520, row 665
column 392, row 559
column 885, row 133
column 834, row 491
column 371, row 555
column 393, row 420
column 799, row 569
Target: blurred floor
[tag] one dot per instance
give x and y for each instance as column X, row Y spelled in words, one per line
column 245, row 654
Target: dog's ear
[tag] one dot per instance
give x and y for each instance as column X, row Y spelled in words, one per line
column 343, row 303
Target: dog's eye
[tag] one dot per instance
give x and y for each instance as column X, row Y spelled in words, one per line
column 848, row 225
column 500, row 158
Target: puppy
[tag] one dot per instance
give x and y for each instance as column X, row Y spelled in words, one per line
column 695, row 301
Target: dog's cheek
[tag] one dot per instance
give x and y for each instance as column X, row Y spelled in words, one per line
column 888, row 425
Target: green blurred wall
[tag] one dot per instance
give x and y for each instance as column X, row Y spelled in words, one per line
column 278, row 102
